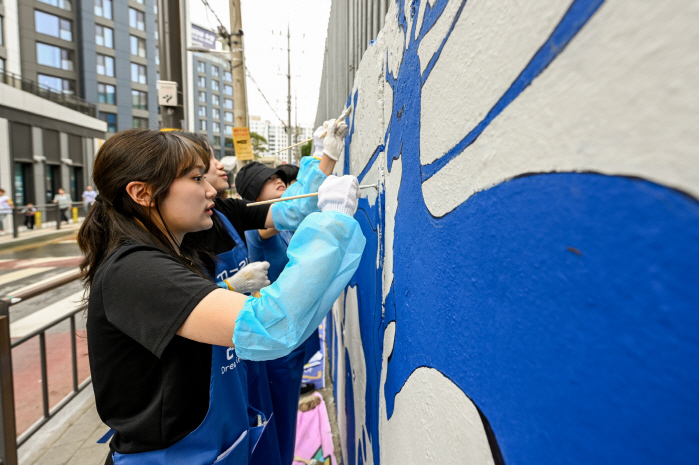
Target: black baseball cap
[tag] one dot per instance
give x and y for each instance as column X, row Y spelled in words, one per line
column 252, row 177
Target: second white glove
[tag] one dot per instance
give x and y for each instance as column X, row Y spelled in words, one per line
column 334, row 141
column 251, row 278
column 318, row 142
column 339, row 194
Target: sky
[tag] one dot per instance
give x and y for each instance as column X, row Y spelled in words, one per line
column 265, row 27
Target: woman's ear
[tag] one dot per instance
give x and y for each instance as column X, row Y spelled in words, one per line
column 139, row 193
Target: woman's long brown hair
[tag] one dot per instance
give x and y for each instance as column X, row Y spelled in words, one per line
column 153, row 157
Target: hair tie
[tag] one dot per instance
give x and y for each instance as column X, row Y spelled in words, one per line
column 98, row 199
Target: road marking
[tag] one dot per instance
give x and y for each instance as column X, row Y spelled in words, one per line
column 29, row 323
column 21, row 274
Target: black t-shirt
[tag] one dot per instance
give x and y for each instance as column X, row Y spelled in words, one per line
column 243, row 219
column 150, row 385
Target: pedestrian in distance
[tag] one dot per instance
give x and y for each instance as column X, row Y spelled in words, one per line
column 88, row 198
column 29, row 212
column 165, row 342
column 6, row 207
column 64, row 203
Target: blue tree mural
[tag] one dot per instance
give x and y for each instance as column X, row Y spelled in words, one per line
column 562, row 304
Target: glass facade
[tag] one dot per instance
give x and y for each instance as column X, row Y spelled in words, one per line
column 138, row 73
column 139, row 99
column 105, row 65
column 104, row 36
column 104, row 9
column 138, row 46
column 55, row 57
column 67, row 86
column 106, row 93
column 110, row 119
column 52, row 25
column 137, row 19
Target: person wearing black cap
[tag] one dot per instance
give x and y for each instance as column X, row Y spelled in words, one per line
column 256, row 182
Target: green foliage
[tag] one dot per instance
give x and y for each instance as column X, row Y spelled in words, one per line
column 306, row 148
column 259, row 144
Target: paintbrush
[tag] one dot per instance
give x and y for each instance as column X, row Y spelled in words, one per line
column 293, row 197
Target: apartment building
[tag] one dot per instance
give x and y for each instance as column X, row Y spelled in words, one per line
column 212, row 91
column 277, row 138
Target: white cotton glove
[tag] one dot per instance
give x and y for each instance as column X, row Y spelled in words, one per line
column 334, row 141
column 318, row 142
column 251, row 278
column 339, row 194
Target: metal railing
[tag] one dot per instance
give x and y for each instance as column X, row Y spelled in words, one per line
column 48, row 214
column 9, row 442
column 65, row 99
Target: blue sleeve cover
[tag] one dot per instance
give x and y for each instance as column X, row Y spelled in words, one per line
column 323, row 255
column 288, row 215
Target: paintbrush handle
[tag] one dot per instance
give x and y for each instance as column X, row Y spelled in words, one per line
column 342, row 116
column 293, row 197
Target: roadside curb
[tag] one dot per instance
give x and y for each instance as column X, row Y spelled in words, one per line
column 35, row 239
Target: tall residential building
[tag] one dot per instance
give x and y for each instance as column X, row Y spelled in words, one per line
column 102, row 50
column 277, row 138
column 212, row 92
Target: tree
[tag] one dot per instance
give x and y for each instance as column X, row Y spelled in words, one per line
column 259, row 144
column 306, row 149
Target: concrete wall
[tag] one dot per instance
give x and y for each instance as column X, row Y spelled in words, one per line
column 528, row 293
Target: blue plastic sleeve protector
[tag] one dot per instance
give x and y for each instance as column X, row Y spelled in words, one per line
column 288, row 215
column 323, row 255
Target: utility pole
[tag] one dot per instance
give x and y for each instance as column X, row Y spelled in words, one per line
column 171, row 58
column 288, row 98
column 235, row 40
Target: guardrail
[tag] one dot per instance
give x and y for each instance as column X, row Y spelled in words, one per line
column 62, row 98
column 44, row 217
column 9, row 442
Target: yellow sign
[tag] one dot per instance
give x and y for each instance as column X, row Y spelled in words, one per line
column 242, row 145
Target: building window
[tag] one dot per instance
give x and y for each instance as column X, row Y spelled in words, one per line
column 229, row 142
column 137, row 19
column 202, row 97
column 228, row 103
column 138, row 73
column 214, row 86
column 66, row 86
column 106, row 93
column 140, row 123
column 2, row 32
column 157, row 56
column 63, row 4
column 52, row 25
column 228, row 90
column 202, row 81
column 229, row 117
column 110, row 119
column 228, row 76
column 140, row 1
column 215, row 113
column 202, row 125
column 202, row 111
column 104, row 36
column 214, row 71
column 103, row 8
column 138, row 46
column 217, row 141
column 215, row 100
column 56, row 57
column 139, row 100
column 105, row 65
column 201, row 66
column 216, row 127
column 2, row 65
column 229, row 131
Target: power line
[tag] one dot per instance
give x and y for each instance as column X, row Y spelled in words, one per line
column 206, row 4
column 263, row 96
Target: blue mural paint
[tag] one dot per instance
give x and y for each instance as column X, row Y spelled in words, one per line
column 563, row 304
column 572, row 22
column 349, row 409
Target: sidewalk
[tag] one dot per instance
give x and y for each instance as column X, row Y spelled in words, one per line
column 29, row 237
column 70, row 437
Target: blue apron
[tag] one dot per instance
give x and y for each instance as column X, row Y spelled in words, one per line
column 232, row 429
column 229, row 263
